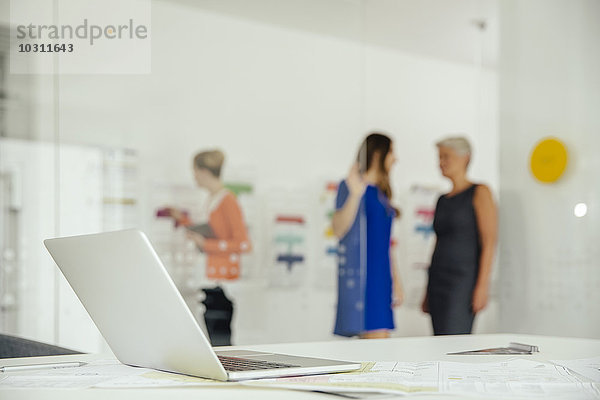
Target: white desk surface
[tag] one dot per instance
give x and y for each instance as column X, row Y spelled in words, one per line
column 399, row 349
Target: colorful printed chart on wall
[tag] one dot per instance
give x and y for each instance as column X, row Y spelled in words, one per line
column 549, row 160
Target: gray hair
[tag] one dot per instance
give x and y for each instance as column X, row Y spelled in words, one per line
column 459, row 144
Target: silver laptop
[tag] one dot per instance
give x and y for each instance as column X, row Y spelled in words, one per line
column 134, row 303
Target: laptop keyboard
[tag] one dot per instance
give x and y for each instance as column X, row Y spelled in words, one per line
column 245, row 364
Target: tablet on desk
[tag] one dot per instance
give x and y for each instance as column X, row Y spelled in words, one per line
column 202, row 229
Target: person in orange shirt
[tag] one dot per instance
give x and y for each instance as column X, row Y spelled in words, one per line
column 222, row 235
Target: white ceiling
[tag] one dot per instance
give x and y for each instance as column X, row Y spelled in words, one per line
column 444, row 29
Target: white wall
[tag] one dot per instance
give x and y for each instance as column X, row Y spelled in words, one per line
column 289, row 105
column 260, row 91
column 550, row 86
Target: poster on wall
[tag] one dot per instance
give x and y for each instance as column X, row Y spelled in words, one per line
column 288, row 237
column 120, row 189
column 418, row 239
column 327, row 246
column 92, row 187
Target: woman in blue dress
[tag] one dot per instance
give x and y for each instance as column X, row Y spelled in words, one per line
column 368, row 283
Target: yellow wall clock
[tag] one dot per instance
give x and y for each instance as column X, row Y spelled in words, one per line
column 549, row 160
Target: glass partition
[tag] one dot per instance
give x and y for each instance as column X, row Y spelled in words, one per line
column 235, row 139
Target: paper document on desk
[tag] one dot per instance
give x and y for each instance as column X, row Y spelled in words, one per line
column 151, row 378
column 511, row 378
column 373, row 377
column 70, row 378
column 588, row 367
column 99, row 374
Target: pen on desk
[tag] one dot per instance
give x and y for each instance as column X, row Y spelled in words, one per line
column 29, row 367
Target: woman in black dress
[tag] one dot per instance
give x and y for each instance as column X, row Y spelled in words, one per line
column 465, row 224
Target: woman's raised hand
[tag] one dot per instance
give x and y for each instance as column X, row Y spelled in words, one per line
column 356, row 185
